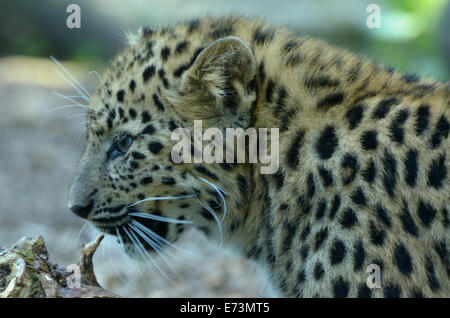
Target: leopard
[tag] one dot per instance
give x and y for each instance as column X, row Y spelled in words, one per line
column 362, row 187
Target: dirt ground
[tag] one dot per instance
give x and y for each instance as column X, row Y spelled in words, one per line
column 39, row 153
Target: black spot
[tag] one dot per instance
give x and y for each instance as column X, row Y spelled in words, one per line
column 292, row 156
column 348, row 218
column 326, row 143
column 397, row 133
column 158, row 103
column 311, row 185
column 426, row 213
column 368, row 174
column 145, row 117
column 172, row 125
column 279, row 179
column 326, row 176
column 291, row 44
column 359, row 255
column 165, row 53
column 390, row 173
column 437, row 173
column 270, row 88
column 146, row 180
column 445, row 220
column 358, row 197
column 433, row 281
column 340, row 288
column 330, row 100
column 337, row 252
column 422, row 118
column 132, row 113
column 377, row 236
column 321, row 208
column 349, row 162
column 441, row 249
column 294, row 60
column 148, row 72
column 416, row 294
column 383, row 107
column 304, row 252
column 321, row 82
column 408, row 222
column 402, row 259
column 120, row 95
column 163, row 78
column 411, row 78
column 321, row 236
column 149, row 129
column 364, row 291
column 155, row 147
column 182, row 68
column 383, row 216
column 222, row 31
column 121, row 112
column 207, row 214
column 168, row 181
column 132, row 85
column 260, row 36
column 193, row 25
column 335, row 206
column 411, row 167
column 318, row 271
column 369, row 140
column 301, row 277
column 354, row 116
column 261, row 72
column 304, row 204
column 206, row 172
column 181, row 47
column 281, row 101
column 306, row 232
column 392, row 291
column 134, row 165
column 441, row 132
column 242, row 184
column 137, row 155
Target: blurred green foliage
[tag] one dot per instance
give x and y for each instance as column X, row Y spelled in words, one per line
column 410, row 38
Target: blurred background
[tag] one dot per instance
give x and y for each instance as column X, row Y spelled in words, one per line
column 40, row 147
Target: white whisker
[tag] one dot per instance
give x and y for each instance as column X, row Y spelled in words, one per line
column 71, row 84
column 78, row 115
column 155, row 247
column 157, row 237
column 159, row 218
column 96, row 73
column 69, row 99
column 123, row 246
column 144, row 254
column 65, row 106
column 158, row 243
column 214, row 215
column 163, row 198
column 70, row 76
column 220, row 192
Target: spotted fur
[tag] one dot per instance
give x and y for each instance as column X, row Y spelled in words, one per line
column 364, row 156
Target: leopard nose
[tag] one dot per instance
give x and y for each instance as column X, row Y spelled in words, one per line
column 82, row 210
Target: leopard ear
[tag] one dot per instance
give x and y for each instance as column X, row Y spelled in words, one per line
column 219, row 86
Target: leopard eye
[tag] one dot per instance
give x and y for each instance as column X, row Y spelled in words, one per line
column 119, row 147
